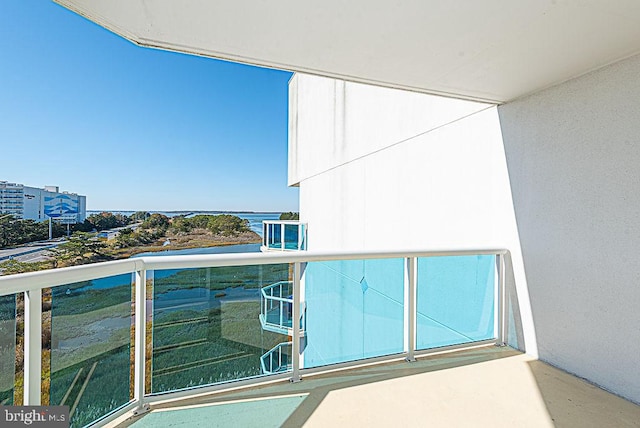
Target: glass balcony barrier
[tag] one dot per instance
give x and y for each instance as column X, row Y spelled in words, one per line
column 277, row 359
column 284, row 235
column 119, row 336
column 276, row 304
column 206, row 325
column 89, row 354
column 8, row 356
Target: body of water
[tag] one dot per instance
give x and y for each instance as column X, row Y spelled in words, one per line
column 128, row 279
column 225, row 249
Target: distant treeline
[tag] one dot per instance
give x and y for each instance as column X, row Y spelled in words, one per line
column 15, row 231
column 289, row 216
column 86, row 247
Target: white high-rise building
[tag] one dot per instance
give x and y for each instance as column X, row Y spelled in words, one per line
column 32, row 203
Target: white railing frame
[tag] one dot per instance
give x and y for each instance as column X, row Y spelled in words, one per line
column 32, row 284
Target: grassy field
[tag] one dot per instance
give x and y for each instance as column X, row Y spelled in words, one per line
column 84, row 336
column 7, row 348
column 90, row 348
column 218, row 340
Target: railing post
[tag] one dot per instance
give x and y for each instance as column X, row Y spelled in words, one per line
column 502, row 299
column 410, row 308
column 140, row 341
column 295, row 313
column 32, row 347
column 282, row 240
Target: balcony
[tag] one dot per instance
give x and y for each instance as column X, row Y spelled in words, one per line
column 277, row 359
column 284, row 235
column 276, row 308
column 123, row 337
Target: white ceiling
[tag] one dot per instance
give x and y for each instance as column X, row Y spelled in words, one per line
column 488, row 50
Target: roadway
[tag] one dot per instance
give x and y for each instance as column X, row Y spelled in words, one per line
column 30, row 252
column 38, row 251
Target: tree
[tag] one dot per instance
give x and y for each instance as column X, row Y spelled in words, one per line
column 199, row 221
column 81, row 248
column 106, row 220
column 138, row 216
column 15, row 231
column 289, row 216
column 125, row 239
column 156, row 221
column 7, row 231
column 11, row 267
column 227, row 224
column 181, row 224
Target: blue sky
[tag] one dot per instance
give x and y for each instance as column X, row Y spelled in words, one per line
column 134, row 128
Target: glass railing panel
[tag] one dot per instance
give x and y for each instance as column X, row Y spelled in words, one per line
column 275, row 235
column 291, row 232
column 303, row 236
column 354, row 310
column 455, row 300
column 7, row 348
column 90, row 357
column 206, row 324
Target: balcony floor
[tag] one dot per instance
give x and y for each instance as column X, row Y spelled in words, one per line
column 490, row 386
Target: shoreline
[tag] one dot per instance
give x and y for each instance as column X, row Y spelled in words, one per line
column 188, row 242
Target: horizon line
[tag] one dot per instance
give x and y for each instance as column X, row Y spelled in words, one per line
column 194, row 211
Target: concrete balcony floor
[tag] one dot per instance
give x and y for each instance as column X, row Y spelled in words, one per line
column 481, row 387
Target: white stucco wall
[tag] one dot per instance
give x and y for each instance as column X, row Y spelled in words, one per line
column 35, row 202
column 574, row 160
column 383, row 169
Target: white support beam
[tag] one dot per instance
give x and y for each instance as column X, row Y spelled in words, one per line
column 501, row 308
column 139, row 378
column 410, row 308
column 296, row 315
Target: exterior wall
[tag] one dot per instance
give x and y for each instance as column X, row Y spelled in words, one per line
column 573, row 156
column 35, row 202
column 382, row 169
column 82, row 208
column 11, row 199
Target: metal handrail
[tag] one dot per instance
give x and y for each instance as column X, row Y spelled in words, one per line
column 18, row 283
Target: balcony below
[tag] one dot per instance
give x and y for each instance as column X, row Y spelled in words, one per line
column 276, row 302
column 284, row 235
column 487, row 386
